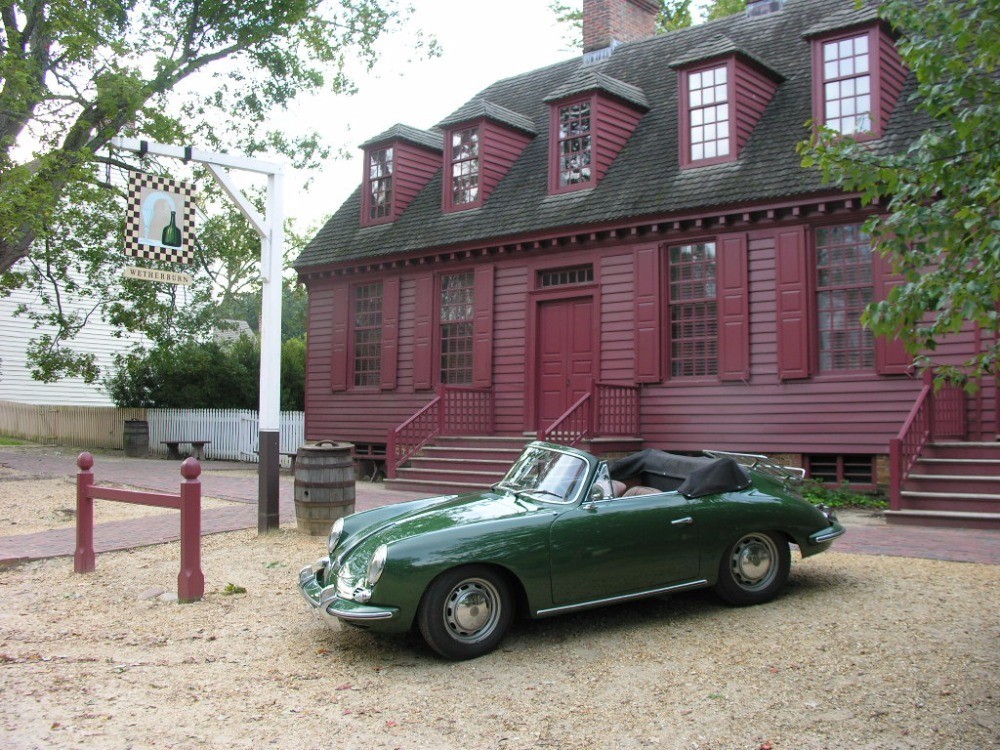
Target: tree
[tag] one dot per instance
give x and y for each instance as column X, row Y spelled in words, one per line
column 204, row 375
column 722, row 8
column 74, row 75
column 938, row 198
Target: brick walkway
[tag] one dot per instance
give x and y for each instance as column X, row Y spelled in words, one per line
column 225, row 480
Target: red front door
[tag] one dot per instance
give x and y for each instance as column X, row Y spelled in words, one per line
column 566, row 349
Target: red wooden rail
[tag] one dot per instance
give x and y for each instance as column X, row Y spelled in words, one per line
column 190, row 580
column 934, row 415
column 456, row 410
column 607, row 410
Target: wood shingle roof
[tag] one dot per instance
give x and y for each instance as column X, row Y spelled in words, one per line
column 645, row 180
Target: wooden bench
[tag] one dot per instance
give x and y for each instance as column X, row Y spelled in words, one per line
column 197, row 448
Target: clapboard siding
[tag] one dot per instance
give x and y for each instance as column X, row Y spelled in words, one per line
column 826, row 413
column 510, row 353
column 16, row 383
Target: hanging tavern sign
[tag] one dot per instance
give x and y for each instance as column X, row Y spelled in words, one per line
column 160, row 219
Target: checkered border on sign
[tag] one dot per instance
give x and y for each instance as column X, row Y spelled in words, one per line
column 134, row 247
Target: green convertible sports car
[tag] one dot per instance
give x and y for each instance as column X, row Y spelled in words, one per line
column 565, row 531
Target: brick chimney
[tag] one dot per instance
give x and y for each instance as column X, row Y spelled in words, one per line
column 607, row 22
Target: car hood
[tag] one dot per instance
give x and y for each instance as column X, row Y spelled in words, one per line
column 437, row 514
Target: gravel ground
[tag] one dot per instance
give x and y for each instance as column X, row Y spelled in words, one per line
column 43, row 504
column 859, row 652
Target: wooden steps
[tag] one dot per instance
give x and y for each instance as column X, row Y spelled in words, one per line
column 454, row 464
column 952, row 484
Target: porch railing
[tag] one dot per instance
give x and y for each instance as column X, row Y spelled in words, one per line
column 455, row 410
column 939, row 414
column 608, row 410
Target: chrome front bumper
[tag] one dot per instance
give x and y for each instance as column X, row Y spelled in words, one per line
column 325, row 601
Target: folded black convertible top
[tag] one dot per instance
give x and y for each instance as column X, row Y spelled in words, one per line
column 693, row 476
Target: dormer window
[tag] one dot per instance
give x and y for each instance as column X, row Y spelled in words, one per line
column 847, row 85
column 482, row 142
column 723, row 93
column 398, row 165
column 465, row 167
column 574, row 146
column 857, row 74
column 708, row 110
column 591, row 117
column 380, row 184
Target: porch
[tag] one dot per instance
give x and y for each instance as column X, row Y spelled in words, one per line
column 451, row 443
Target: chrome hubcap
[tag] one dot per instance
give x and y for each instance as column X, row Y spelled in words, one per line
column 754, row 562
column 472, row 609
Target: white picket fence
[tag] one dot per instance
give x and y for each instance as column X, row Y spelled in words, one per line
column 233, row 432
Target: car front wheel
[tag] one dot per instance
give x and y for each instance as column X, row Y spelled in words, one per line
column 754, row 568
column 466, row 612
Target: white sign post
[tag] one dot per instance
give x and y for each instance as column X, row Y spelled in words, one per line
column 272, row 250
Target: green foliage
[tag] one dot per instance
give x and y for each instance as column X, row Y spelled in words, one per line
column 76, row 75
column 938, row 221
column 205, row 375
column 722, row 8
column 73, row 76
column 841, row 497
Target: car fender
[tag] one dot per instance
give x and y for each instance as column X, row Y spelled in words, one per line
column 519, row 546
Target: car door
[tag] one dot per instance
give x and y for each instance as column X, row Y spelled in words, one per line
column 622, row 545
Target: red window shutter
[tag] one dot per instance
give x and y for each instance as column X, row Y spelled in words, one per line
column 647, row 314
column 338, row 338
column 891, row 357
column 423, row 330
column 482, row 328
column 793, row 304
column 734, row 310
column 390, row 332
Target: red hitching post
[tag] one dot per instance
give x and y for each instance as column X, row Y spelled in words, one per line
column 191, row 580
column 83, row 559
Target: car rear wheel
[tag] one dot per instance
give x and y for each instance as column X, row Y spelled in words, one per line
column 466, row 612
column 754, row 568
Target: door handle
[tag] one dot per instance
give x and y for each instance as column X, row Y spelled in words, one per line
column 682, row 521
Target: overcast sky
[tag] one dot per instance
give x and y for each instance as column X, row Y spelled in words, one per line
column 482, row 41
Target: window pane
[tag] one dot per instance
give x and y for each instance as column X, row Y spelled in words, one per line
column 380, row 183
column 368, row 335
column 465, row 166
column 575, row 144
column 708, row 114
column 455, row 319
column 843, row 290
column 693, row 310
column 847, row 85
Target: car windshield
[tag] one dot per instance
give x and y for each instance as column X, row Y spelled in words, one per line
column 546, row 474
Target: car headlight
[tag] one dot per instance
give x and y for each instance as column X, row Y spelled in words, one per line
column 335, row 531
column 377, row 565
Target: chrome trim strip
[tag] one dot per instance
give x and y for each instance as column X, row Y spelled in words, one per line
column 349, row 614
column 622, row 598
column 828, row 535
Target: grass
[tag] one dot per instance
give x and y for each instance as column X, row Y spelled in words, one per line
column 4, row 440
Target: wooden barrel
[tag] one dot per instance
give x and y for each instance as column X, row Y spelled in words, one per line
column 135, row 438
column 324, row 486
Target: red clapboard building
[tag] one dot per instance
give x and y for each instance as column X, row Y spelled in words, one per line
column 624, row 251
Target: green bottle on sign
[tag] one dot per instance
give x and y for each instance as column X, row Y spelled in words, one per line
column 171, row 234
